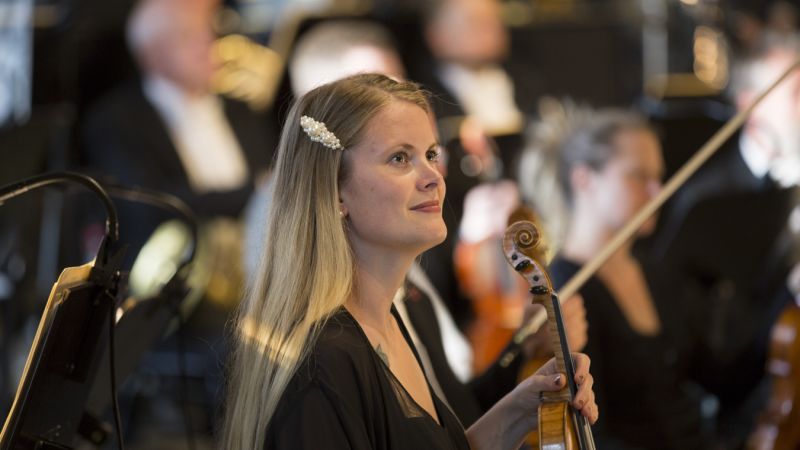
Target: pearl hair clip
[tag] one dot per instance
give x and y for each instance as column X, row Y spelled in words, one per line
column 318, row 132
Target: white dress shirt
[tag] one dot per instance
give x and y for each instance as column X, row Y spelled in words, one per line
column 487, row 94
column 203, row 138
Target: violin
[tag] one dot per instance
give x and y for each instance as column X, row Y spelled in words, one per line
column 560, row 426
column 483, row 276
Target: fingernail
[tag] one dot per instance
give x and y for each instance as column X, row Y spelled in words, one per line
column 557, row 380
column 580, row 404
column 581, row 378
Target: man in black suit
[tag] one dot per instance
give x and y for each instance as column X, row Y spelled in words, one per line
column 168, row 131
column 728, row 232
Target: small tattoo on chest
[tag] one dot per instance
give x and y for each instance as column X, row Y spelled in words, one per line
column 382, row 354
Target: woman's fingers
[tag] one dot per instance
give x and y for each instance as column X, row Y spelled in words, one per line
column 547, row 383
column 546, row 379
column 584, row 400
column 585, row 394
column 530, row 391
column 582, row 364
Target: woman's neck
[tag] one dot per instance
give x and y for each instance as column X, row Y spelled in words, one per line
column 378, row 277
column 585, row 239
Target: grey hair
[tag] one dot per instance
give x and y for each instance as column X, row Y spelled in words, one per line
column 567, row 135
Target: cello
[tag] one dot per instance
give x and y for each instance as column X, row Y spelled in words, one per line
column 560, row 427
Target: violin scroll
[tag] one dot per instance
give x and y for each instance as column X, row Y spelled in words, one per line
column 525, row 238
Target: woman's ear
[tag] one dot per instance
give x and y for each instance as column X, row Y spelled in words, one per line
column 342, row 209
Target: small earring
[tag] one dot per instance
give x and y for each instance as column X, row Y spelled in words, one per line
column 341, row 213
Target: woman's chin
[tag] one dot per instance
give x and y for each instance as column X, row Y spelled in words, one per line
column 435, row 239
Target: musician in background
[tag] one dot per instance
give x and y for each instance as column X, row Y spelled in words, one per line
column 642, row 338
column 169, row 132
column 469, row 42
column 729, row 232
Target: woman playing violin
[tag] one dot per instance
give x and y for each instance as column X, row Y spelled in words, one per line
column 609, row 164
column 322, row 359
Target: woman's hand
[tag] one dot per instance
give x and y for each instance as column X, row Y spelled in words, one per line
column 547, row 379
column 507, row 423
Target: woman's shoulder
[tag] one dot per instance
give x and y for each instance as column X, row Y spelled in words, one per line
column 341, row 335
column 330, row 395
column 340, row 352
column 338, row 367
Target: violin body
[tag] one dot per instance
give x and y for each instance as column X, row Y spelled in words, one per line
column 556, row 427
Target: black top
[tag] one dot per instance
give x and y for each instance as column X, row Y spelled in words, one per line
column 640, row 382
column 344, row 397
column 726, row 233
column 468, row 401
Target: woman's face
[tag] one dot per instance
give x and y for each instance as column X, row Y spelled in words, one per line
column 629, row 180
column 393, row 195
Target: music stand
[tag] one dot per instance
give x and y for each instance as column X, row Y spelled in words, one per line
column 64, row 357
column 62, row 363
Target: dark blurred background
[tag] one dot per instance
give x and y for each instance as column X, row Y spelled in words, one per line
column 60, row 59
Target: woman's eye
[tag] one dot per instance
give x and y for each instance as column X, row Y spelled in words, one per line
column 400, row 158
column 433, row 155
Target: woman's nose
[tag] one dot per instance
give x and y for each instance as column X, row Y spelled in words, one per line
column 430, row 176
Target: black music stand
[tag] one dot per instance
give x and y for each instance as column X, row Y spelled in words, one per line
column 63, row 360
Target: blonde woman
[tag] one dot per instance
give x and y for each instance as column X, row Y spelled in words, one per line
column 322, row 360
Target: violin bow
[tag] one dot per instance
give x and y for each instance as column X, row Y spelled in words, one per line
column 626, row 232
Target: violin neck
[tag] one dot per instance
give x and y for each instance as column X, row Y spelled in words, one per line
column 565, row 364
column 558, row 337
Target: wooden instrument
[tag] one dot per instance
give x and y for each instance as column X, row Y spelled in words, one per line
column 776, row 427
column 496, row 296
column 560, row 427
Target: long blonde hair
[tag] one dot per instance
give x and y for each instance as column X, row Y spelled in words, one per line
column 307, row 268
